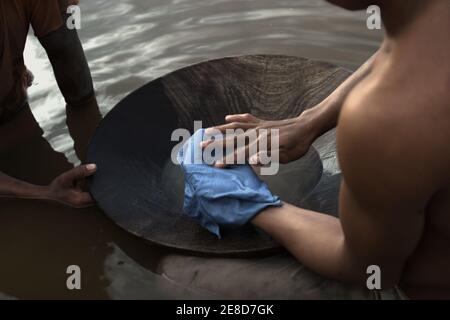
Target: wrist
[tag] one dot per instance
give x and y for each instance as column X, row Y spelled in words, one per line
column 36, row 192
column 264, row 218
column 30, row 191
column 43, row 192
column 320, row 118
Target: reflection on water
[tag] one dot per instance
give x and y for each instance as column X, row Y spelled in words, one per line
column 128, row 43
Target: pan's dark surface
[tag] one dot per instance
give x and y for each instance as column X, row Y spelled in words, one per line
column 139, row 187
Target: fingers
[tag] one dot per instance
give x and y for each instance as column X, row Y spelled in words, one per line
column 28, row 79
column 237, row 121
column 231, row 126
column 233, row 150
column 83, row 200
column 239, row 156
column 211, row 147
column 77, row 200
column 260, row 159
column 228, row 142
column 246, row 117
column 78, row 173
column 241, row 143
column 253, row 146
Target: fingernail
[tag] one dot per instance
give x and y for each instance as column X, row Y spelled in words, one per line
column 91, row 167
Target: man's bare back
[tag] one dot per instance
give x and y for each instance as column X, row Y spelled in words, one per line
column 405, row 103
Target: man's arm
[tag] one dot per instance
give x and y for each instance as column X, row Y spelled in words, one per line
column 324, row 116
column 385, row 190
column 74, row 79
column 70, row 67
column 65, row 189
column 11, row 187
column 296, row 134
column 69, row 64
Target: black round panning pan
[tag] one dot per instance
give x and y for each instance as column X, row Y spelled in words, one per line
column 139, row 187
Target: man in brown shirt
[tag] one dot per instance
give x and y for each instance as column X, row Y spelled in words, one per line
column 63, row 47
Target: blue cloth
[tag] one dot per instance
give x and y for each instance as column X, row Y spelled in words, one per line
column 220, row 197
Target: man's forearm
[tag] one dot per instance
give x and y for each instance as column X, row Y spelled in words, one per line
column 324, row 117
column 316, row 240
column 69, row 65
column 11, row 187
column 82, row 123
column 74, row 79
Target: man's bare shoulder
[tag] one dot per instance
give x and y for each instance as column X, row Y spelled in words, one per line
column 393, row 141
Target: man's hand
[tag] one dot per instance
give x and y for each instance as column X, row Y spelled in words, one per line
column 27, row 79
column 296, row 136
column 68, row 188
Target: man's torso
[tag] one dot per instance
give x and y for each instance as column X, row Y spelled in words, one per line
column 421, row 91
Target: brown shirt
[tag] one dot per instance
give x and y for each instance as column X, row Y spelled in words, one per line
column 15, row 19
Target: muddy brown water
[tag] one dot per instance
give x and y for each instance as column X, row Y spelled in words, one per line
column 129, row 43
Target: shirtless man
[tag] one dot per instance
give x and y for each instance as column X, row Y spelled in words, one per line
column 393, row 137
column 48, row 19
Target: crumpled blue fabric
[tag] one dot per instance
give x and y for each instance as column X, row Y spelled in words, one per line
column 220, row 197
